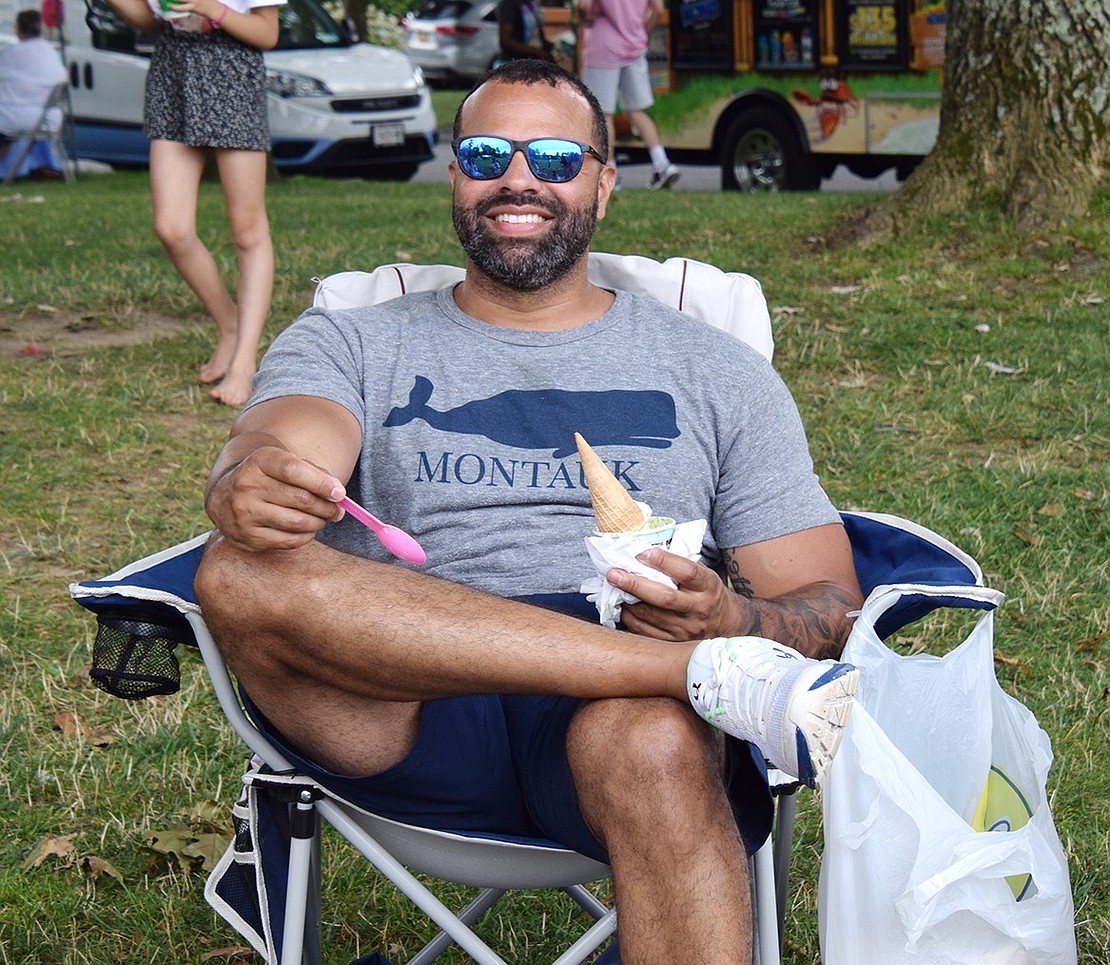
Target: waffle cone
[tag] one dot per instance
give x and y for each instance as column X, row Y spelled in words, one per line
column 615, row 509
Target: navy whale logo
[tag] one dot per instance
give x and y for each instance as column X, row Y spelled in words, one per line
column 548, row 418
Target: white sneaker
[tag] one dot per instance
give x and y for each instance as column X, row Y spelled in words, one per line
column 663, row 178
column 792, row 708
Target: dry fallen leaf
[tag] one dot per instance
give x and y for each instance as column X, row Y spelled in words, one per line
column 209, row 848
column 1050, row 509
column 59, row 846
column 1016, row 662
column 69, row 724
column 73, row 726
column 1091, row 644
column 95, row 867
column 1025, row 537
column 189, row 848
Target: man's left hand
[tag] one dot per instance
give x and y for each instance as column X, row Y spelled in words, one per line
column 700, row 606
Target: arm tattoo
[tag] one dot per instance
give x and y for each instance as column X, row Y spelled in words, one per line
column 736, row 580
column 813, row 619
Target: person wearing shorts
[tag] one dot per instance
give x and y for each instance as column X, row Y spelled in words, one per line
column 615, row 68
column 458, row 696
column 206, row 90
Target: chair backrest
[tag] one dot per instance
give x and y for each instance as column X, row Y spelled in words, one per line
column 44, row 127
column 44, row 138
column 731, row 301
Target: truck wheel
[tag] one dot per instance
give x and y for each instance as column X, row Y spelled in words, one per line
column 761, row 153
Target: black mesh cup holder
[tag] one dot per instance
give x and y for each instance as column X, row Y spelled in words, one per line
column 134, row 659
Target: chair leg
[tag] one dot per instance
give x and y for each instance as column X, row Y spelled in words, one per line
column 485, row 900
column 784, row 836
column 766, row 925
column 587, row 900
column 313, row 947
column 599, row 931
column 18, row 158
column 304, row 827
column 410, row 886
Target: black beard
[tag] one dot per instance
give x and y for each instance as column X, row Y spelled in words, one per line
column 525, row 264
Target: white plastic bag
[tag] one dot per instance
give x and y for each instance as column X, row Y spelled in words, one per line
column 905, row 878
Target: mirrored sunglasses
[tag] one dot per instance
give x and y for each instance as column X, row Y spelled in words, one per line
column 556, row 159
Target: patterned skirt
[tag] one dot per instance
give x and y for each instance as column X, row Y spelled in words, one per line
column 206, row 90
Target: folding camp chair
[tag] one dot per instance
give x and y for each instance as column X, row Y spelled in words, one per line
column 267, row 885
column 44, row 132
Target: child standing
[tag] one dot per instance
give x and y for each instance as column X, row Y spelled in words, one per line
column 206, row 88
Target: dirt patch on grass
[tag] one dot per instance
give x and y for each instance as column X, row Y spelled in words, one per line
column 63, row 333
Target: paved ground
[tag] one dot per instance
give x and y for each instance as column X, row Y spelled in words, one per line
column 694, row 177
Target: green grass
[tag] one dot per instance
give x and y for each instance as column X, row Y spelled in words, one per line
column 958, row 378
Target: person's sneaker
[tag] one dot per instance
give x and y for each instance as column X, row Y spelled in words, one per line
column 792, row 708
column 663, row 178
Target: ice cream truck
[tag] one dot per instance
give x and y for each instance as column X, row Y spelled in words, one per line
column 780, row 92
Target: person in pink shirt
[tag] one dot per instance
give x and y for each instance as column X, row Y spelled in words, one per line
column 614, row 66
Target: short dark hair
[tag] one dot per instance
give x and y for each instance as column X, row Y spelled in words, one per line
column 530, row 71
column 28, row 23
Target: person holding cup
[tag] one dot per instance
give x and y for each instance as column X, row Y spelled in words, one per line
column 206, row 89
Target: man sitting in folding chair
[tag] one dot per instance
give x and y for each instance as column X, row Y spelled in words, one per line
column 30, row 72
column 433, row 697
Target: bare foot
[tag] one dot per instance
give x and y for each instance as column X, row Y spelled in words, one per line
column 218, row 366
column 234, row 390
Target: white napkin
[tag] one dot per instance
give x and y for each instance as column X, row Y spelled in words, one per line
column 621, row 551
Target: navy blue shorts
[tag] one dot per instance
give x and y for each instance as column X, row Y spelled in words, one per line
column 497, row 764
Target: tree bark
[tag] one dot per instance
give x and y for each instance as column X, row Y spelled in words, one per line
column 1025, row 117
column 355, row 11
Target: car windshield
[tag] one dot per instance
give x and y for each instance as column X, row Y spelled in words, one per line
column 307, row 25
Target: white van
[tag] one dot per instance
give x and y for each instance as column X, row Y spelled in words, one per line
column 337, row 108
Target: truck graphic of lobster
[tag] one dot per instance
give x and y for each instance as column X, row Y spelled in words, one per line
column 835, row 104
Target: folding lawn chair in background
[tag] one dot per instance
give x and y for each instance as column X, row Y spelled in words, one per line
column 43, row 142
column 268, row 883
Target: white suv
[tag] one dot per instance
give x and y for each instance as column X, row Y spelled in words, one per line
column 453, row 40
column 336, row 108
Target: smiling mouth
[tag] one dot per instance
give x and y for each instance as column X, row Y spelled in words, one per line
column 520, row 218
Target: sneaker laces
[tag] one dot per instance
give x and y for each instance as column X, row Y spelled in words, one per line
column 765, row 707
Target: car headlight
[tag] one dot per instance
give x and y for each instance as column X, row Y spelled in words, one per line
column 286, row 83
column 417, row 77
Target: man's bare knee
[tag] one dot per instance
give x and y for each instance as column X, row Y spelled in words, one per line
column 236, row 593
column 641, row 756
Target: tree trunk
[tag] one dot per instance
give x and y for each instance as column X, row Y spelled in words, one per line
column 355, row 11
column 1025, row 115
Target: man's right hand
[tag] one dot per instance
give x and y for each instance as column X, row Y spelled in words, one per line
column 273, row 499
column 280, row 477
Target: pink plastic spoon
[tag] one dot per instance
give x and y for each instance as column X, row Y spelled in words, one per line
column 397, row 541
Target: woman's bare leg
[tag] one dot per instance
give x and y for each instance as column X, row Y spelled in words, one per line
column 175, row 171
column 243, row 176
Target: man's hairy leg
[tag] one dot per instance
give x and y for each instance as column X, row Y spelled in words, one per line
column 339, row 651
column 647, row 774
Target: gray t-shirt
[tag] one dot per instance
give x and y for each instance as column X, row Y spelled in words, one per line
column 468, row 432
